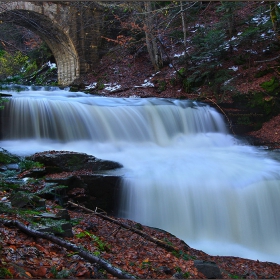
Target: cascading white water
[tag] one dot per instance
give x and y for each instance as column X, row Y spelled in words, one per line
column 182, row 171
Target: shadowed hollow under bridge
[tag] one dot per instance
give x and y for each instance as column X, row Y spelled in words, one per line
column 70, row 29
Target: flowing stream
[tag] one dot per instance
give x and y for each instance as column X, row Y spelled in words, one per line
column 183, row 171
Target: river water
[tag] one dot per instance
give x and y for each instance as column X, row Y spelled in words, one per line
column 183, row 171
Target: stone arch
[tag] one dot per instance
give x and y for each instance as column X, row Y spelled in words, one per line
column 42, row 20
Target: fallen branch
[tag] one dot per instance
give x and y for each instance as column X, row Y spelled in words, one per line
column 139, row 232
column 81, row 252
column 267, row 60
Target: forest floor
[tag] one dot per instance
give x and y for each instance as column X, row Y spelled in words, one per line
column 25, row 256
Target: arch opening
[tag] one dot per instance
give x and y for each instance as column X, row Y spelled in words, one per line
column 53, row 35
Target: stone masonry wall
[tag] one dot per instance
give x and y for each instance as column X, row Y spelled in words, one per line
column 71, row 30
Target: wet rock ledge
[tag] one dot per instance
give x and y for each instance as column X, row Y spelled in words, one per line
column 91, row 181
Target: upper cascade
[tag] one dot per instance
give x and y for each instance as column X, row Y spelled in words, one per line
column 108, row 119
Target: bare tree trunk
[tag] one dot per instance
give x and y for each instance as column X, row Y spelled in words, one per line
column 151, row 38
column 183, row 25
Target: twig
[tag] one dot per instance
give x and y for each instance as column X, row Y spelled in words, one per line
column 81, row 252
column 267, row 60
column 230, row 125
column 140, row 232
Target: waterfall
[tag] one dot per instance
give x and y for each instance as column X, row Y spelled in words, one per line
column 183, row 171
column 102, row 120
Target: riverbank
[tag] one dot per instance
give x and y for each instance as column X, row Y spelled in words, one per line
column 27, row 257
column 137, row 250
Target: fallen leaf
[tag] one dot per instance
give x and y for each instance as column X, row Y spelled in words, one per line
column 41, row 272
column 82, row 272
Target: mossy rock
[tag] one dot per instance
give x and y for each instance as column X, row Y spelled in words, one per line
column 7, row 158
column 22, row 199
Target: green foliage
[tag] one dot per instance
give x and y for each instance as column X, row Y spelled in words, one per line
column 40, row 55
column 161, row 86
column 260, row 101
column 167, row 241
column 102, row 246
column 184, row 256
column 178, row 269
column 244, row 120
column 26, row 164
column 11, row 64
column 235, row 276
column 185, row 274
column 6, row 157
column 250, row 33
column 64, row 273
column 100, row 85
column 30, row 68
column 2, row 101
column 228, row 7
column 43, row 78
column 5, row 273
column 228, row 11
column 54, row 225
column 210, row 44
column 51, row 189
column 23, row 199
column 146, row 264
column 181, row 72
column 272, row 86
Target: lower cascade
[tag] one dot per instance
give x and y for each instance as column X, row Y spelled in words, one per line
column 183, row 171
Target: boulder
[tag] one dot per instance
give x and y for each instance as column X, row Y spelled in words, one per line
column 208, row 269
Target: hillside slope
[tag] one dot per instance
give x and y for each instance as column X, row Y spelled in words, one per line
column 240, row 73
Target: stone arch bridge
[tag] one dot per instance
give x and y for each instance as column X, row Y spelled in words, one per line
column 70, row 29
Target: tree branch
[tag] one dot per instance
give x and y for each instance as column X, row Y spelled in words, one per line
column 140, row 232
column 267, row 60
column 81, row 252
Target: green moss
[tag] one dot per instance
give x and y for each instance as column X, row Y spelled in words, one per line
column 161, row 85
column 29, row 164
column 272, row 86
column 244, row 120
column 6, row 157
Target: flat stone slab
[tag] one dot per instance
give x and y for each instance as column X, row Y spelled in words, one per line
column 71, row 161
